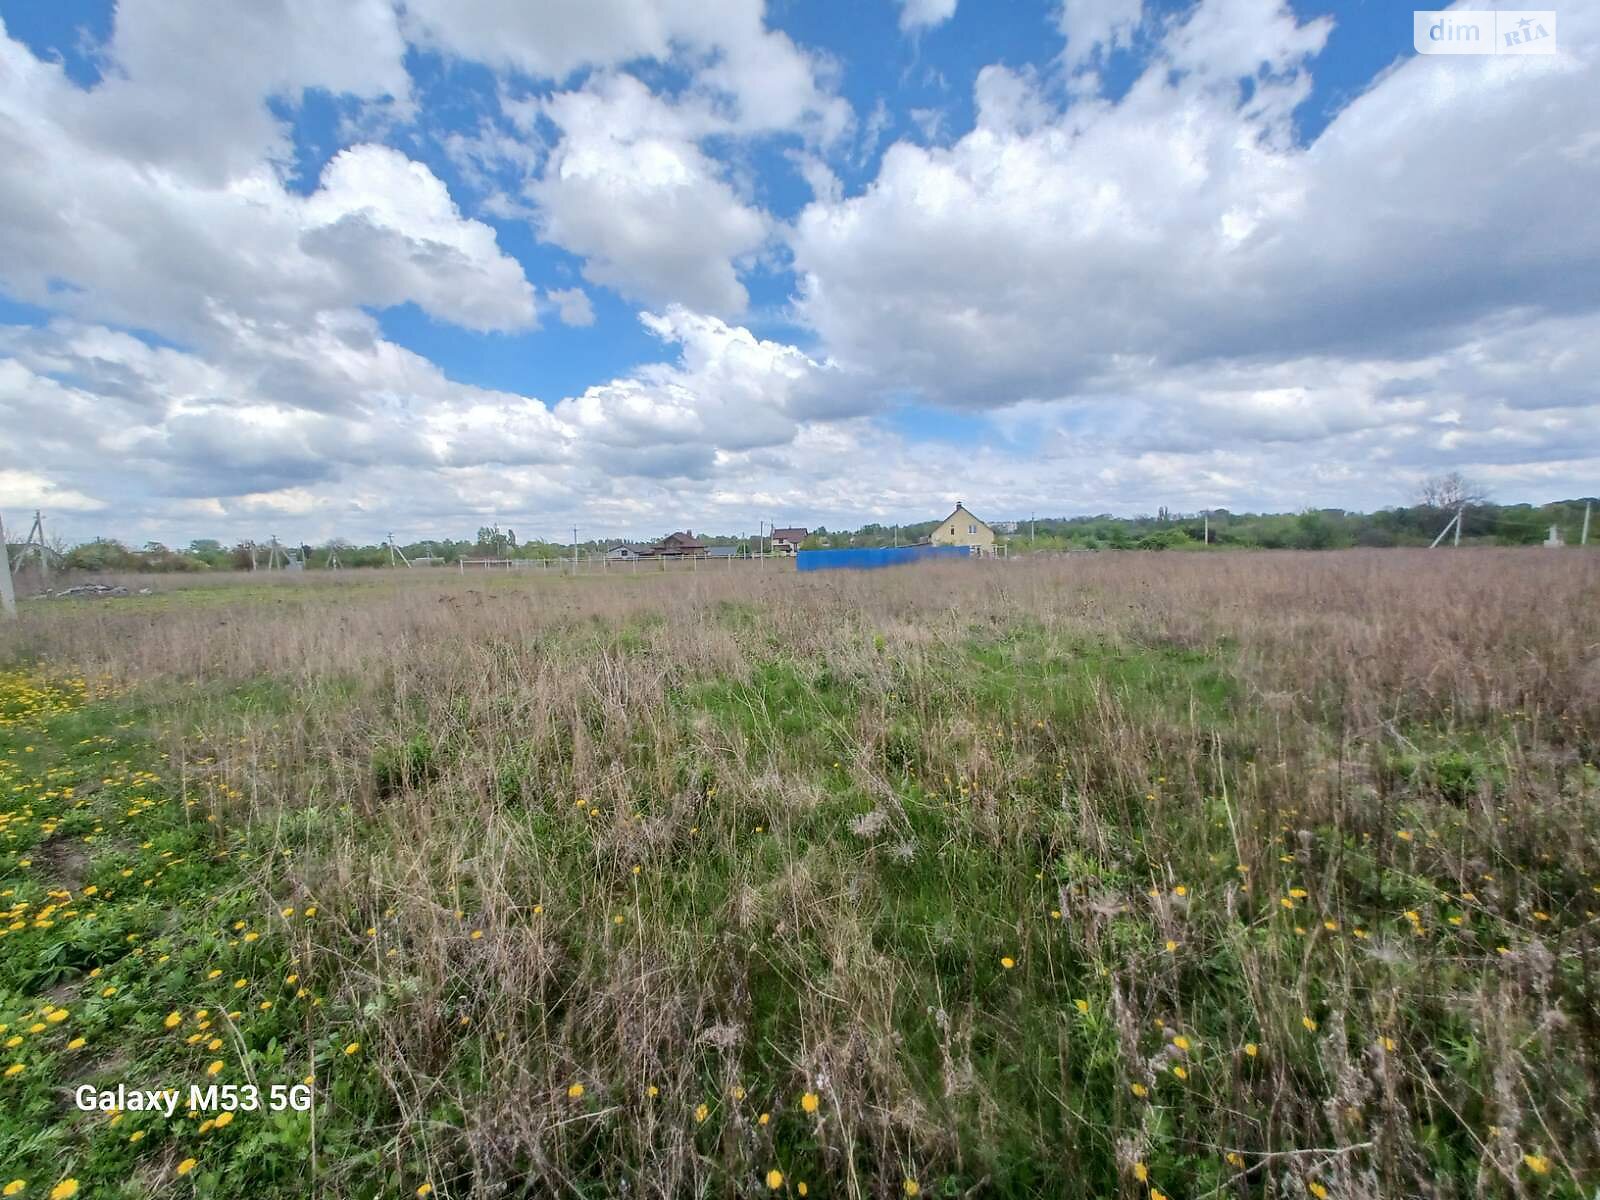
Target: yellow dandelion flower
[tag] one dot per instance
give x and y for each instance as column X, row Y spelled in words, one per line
column 1181, row 1042
column 1008, row 962
column 1537, row 1163
column 58, row 1016
column 1308, row 1023
column 809, row 1102
column 1139, row 1090
column 774, row 1179
column 14, row 1070
column 215, row 1068
column 911, row 1187
column 701, row 1112
column 1171, row 945
column 425, row 1189
column 12, row 1188
column 1141, row 1172
column 174, row 1019
column 1251, row 1049
column 186, row 1166
column 1081, row 1005
column 575, row 1092
column 352, row 1047
column 76, row 1043
column 1317, row 1190
column 64, row 1190
column 1180, row 1072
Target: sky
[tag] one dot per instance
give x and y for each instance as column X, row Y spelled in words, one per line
column 300, row 269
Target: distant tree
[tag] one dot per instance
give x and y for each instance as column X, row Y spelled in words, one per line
column 1451, row 491
column 204, row 546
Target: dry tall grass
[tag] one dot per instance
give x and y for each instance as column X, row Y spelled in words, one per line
column 1247, row 874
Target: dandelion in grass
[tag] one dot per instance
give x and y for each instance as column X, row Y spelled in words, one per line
column 352, row 1048
column 1180, row 1072
column 1141, row 1172
column 1139, row 1090
column 1251, row 1049
column 215, row 1068
column 1082, row 1006
column 76, row 1043
column 911, row 1187
column 1537, row 1163
column 476, row 934
column 64, row 1190
column 173, row 1020
column 774, row 1179
column 1008, row 962
column 701, row 1112
column 15, row 1069
column 575, row 1092
column 1317, row 1190
column 1311, row 1026
column 14, row 1187
column 425, row 1189
column 186, row 1166
column 809, row 1102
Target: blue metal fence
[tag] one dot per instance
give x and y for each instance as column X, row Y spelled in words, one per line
column 876, row 556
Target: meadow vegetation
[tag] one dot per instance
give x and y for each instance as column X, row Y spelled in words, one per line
column 1136, row 875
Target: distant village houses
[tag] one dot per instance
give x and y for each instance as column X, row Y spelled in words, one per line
column 787, row 541
column 674, row 545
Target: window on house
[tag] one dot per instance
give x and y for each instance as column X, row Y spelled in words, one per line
column 972, row 529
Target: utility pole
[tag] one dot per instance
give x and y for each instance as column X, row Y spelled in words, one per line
column 1459, row 512
column 8, row 598
column 1584, row 539
column 1208, row 527
column 1452, row 523
column 1033, row 521
column 574, row 549
column 36, row 538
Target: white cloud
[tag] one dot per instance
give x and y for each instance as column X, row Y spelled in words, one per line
column 1050, row 249
column 106, row 233
column 186, row 82
column 759, row 74
column 573, row 306
column 917, row 15
column 628, row 189
column 1094, row 27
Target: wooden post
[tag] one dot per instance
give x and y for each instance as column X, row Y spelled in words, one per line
column 1584, row 539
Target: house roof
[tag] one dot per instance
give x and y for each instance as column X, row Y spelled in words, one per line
column 792, row 534
column 686, row 540
column 722, row 551
column 633, row 548
column 962, row 508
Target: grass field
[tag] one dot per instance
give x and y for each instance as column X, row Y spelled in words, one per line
column 1132, row 875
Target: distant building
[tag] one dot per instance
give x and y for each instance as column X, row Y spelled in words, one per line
column 722, row 552
column 630, row 552
column 961, row 528
column 787, row 541
column 680, row 545
column 1004, row 526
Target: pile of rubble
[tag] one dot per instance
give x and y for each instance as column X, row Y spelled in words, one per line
column 87, row 589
